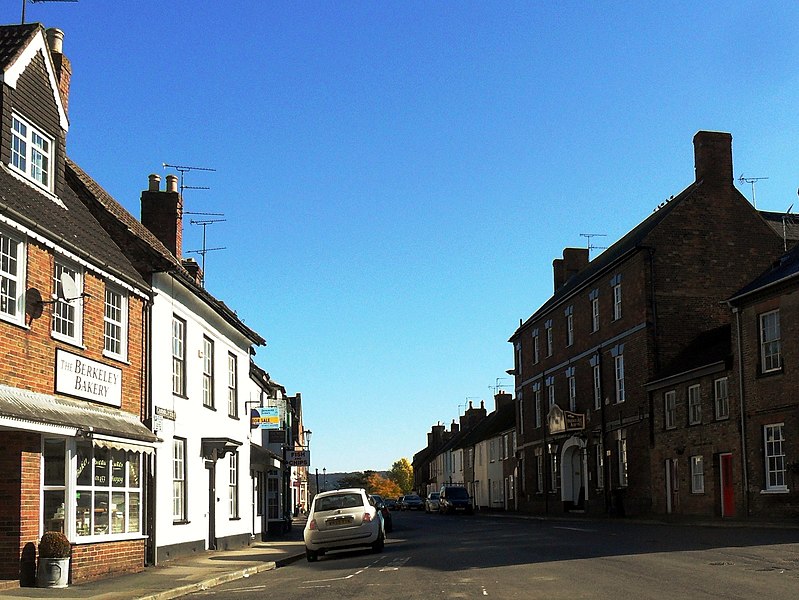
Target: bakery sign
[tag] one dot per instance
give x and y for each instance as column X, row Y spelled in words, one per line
column 88, row 379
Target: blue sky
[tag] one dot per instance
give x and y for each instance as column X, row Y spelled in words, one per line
column 397, row 177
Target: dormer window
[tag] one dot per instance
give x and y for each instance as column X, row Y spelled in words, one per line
column 31, row 153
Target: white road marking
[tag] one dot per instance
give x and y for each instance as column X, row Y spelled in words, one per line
column 576, row 529
column 395, row 564
column 345, row 577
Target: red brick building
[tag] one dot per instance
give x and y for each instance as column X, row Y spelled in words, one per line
column 585, row 425
column 72, row 330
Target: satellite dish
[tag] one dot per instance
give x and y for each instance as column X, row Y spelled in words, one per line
column 69, row 288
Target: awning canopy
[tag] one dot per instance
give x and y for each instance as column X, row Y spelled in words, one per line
column 44, row 413
column 263, row 459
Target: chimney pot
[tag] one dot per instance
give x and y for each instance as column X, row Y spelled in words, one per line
column 155, row 182
column 171, row 183
column 55, row 39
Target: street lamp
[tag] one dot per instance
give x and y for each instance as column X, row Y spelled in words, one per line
column 324, row 475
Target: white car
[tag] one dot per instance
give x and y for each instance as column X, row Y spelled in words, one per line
column 342, row 519
column 431, row 504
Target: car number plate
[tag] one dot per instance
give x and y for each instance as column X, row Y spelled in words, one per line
column 342, row 520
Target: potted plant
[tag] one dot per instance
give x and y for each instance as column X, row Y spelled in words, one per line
column 54, row 552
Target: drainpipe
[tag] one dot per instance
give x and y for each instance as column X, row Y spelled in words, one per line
column 741, row 406
column 147, row 390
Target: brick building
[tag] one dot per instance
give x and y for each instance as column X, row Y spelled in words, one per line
column 75, row 454
column 585, row 428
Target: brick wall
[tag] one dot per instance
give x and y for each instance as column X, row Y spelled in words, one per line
column 96, row 561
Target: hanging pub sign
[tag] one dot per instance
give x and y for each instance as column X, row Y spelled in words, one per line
column 298, row 458
column 276, row 436
column 265, row 418
column 88, row 379
column 559, row 420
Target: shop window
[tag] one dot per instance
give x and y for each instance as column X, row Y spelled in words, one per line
column 54, row 480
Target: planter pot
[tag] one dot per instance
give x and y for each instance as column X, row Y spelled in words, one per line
column 53, row 572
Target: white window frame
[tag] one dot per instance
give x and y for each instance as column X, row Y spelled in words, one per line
column 521, row 413
column 539, row 466
column 597, row 379
column 670, row 409
column 233, row 485
column 770, row 342
column 617, row 302
column 600, row 466
column 553, row 472
column 208, row 372
column 67, row 311
column 537, row 402
column 518, row 356
column 622, row 459
column 115, row 323
column 232, row 386
column 536, row 349
column 618, row 365
column 697, row 475
column 595, row 314
column 32, row 153
column 12, row 278
column 179, row 480
column 721, row 395
column 178, row 356
column 550, row 348
column 774, row 454
column 572, row 393
column 695, row 404
column 569, row 329
column 551, row 393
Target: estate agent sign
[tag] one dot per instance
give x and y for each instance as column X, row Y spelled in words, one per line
column 88, row 379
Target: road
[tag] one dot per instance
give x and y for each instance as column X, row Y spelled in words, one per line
column 460, row 556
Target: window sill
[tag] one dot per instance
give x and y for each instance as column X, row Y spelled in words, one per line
column 180, row 396
column 235, row 519
column 13, row 321
column 182, row 522
column 209, row 407
column 775, row 492
column 771, row 373
column 75, row 343
column 116, row 357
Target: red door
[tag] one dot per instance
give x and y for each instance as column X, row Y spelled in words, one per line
column 727, row 491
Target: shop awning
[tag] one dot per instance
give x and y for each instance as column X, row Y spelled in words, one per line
column 263, row 459
column 32, row 411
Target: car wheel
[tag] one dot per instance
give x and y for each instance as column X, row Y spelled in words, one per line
column 377, row 545
column 311, row 555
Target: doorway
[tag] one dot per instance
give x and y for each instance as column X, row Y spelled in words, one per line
column 210, row 465
column 672, row 486
column 727, row 489
column 573, row 470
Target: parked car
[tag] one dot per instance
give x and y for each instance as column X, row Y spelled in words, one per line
column 411, row 502
column 431, row 503
column 391, row 504
column 342, row 519
column 454, row 498
column 380, row 504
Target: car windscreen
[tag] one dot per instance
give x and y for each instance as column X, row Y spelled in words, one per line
column 338, row 501
column 457, row 493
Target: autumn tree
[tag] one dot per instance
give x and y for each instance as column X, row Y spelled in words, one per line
column 382, row 486
column 401, row 473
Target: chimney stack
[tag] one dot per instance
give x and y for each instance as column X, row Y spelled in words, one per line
column 713, row 157
column 63, row 68
column 194, row 270
column 574, row 260
column 162, row 213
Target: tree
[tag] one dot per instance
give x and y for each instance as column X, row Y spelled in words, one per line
column 401, row 473
column 354, row 480
column 382, row 486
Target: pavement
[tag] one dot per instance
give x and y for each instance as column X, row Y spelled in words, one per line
column 184, row 575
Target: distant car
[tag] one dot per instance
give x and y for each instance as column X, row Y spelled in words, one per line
column 454, row 498
column 390, row 503
column 411, row 502
column 342, row 519
column 380, row 504
column 431, row 503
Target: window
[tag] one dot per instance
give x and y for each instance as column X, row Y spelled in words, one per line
column 511, row 488
column 553, row 471
column 551, row 392
column 697, row 475
column 572, row 392
column 549, row 337
column 232, row 392
column 594, row 311
column 54, row 484
column 722, row 399
column 670, row 409
column 521, row 413
column 600, row 466
column 233, row 487
column 775, row 457
column 67, row 312
column 536, row 352
column 12, row 278
column 492, row 450
column 694, row 405
column 569, row 326
column 539, row 470
column 179, row 479
column 619, row 367
column 622, row 458
column 617, row 301
column 108, row 491
column 597, row 386
column 537, row 404
column 178, row 356
column 770, row 357
column 115, row 331
column 518, row 357
column 208, row 372
column 31, row 153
